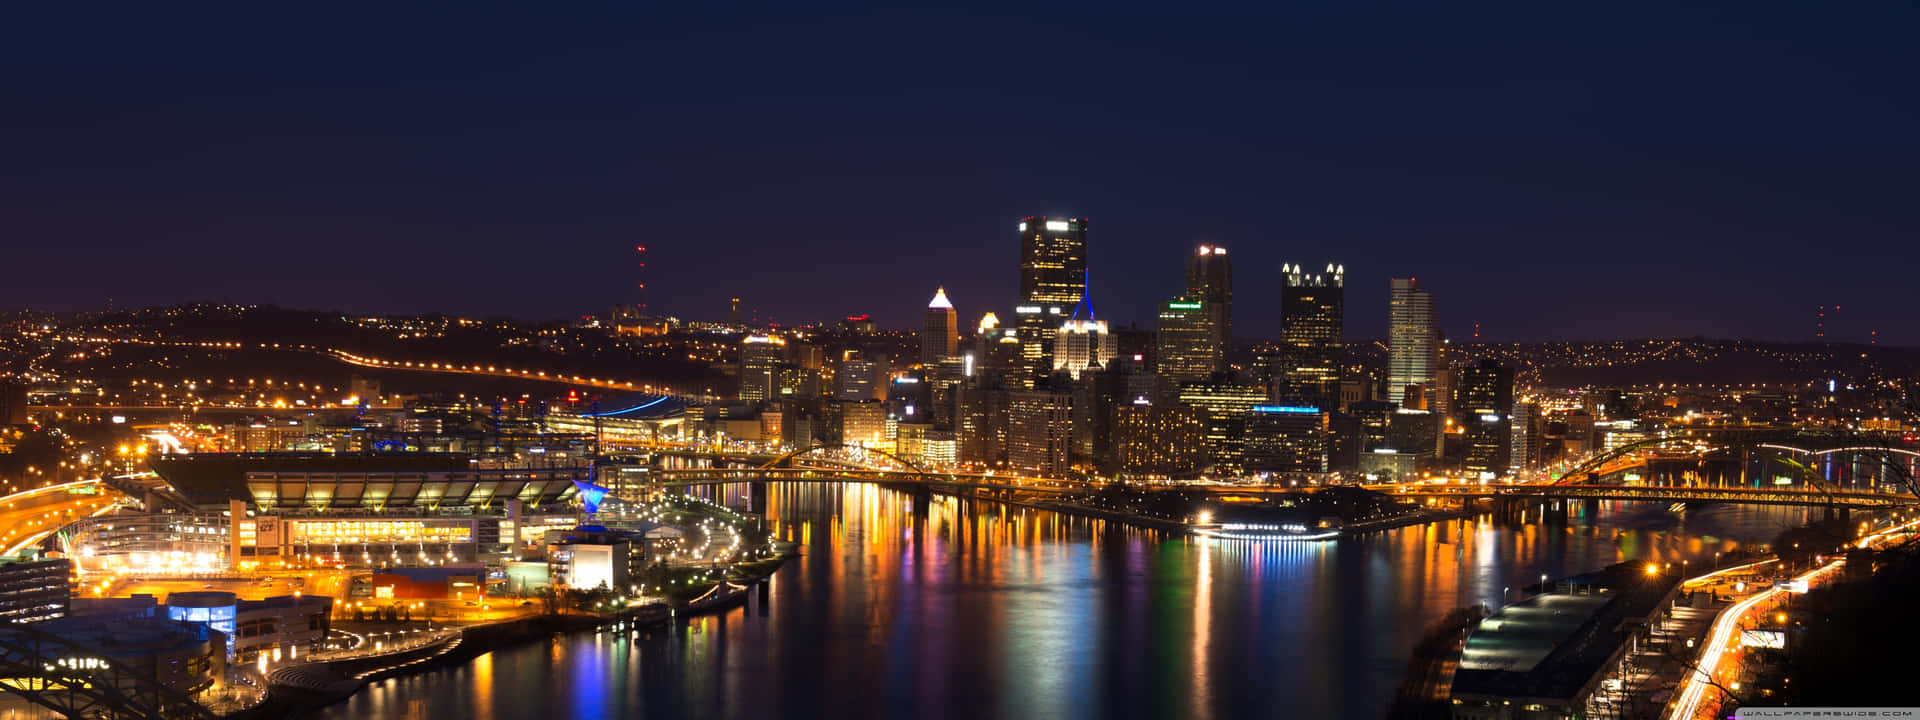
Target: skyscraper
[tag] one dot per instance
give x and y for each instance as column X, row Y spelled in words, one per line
column 1082, row 344
column 760, row 360
column 1210, row 279
column 1413, row 341
column 940, row 336
column 1486, row 401
column 1053, row 280
column 1187, row 349
column 1314, row 308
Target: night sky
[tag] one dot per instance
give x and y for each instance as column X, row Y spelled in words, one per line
column 1549, row 170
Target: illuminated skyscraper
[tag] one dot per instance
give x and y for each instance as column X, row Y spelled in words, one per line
column 1083, row 344
column 940, row 336
column 760, row 360
column 1188, row 350
column 1210, row 279
column 1486, row 401
column 1053, row 280
column 1314, row 308
column 1413, row 342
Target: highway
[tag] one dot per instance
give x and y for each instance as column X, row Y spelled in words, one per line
column 1719, row 658
column 31, row 515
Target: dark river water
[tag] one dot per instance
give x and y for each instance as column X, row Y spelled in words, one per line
column 980, row 610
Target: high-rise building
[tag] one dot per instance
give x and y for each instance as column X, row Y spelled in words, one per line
column 1527, row 438
column 1053, row 281
column 1485, row 403
column 1227, row 404
column 1187, row 349
column 1210, row 280
column 940, row 336
column 760, row 360
column 1039, row 431
column 1413, row 342
column 1313, row 307
column 733, row 313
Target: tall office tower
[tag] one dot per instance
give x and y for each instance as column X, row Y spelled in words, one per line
column 940, row 336
column 1527, row 438
column 1413, row 342
column 1314, row 308
column 1210, row 278
column 1286, row 439
column 1039, row 431
column 1486, row 401
column 760, row 360
column 1187, row 351
column 1082, row 345
column 733, row 313
column 1227, row 405
column 1053, row 280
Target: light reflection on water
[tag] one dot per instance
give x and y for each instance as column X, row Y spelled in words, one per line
column 971, row 610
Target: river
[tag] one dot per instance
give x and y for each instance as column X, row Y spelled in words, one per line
column 981, row 610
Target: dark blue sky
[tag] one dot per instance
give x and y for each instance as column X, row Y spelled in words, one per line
column 1550, row 170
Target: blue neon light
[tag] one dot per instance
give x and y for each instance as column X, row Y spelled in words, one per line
column 1285, row 409
column 641, row 406
column 590, row 495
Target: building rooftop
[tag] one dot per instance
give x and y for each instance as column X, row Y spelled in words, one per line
column 1554, row 646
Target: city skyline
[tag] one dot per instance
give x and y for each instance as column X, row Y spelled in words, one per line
column 154, row 177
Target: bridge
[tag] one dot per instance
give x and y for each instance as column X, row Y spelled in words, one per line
column 1853, row 500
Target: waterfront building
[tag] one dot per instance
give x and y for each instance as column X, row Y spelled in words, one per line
column 592, row 556
column 760, row 358
column 1187, row 351
column 1158, row 441
column 1210, row 280
column 1545, row 656
column 1053, row 280
column 34, row 588
column 983, row 422
column 252, row 627
column 863, row 423
column 185, row 657
column 1227, row 404
column 1286, row 440
column 940, row 334
column 1039, row 431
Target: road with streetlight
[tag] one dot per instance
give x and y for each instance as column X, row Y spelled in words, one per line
column 1720, row 658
